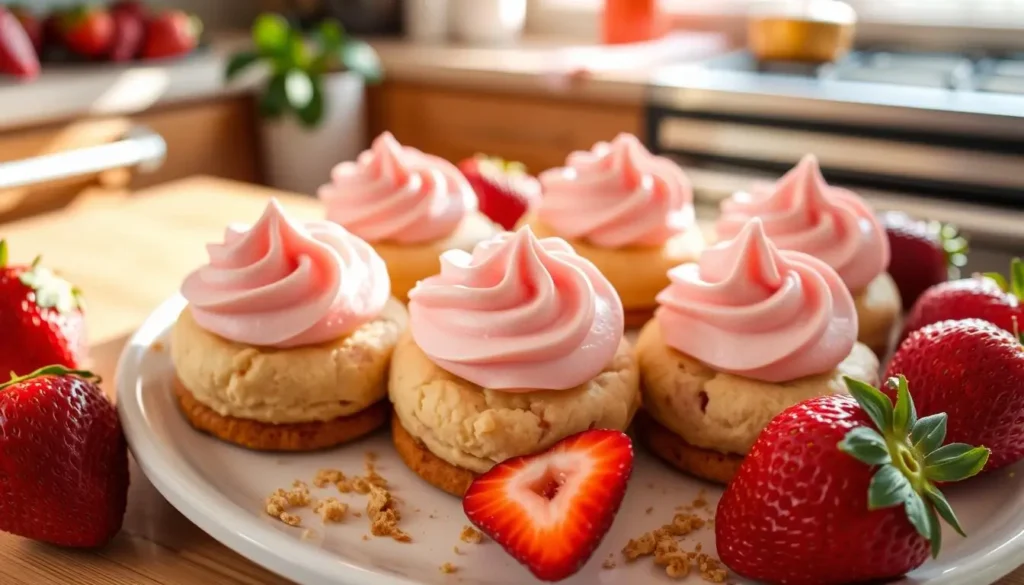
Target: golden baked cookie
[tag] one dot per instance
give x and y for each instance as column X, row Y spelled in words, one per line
column 410, row 263
column 637, row 273
column 723, row 412
column 311, row 383
column 878, row 313
column 671, row 448
column 473, row 428
column 434, row 470
column 260, row 436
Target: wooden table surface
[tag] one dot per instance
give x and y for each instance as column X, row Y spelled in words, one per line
column 128, row 254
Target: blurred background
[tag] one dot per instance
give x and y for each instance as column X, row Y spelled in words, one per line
column 916, row 104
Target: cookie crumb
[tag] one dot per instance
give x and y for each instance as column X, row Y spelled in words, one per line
column 357, row 514
column 608, row 563
column 361, row 486
column 649, row 510
column 663, row 544
column 157, row 346
column 700, row 501
column 384, row 515
column 448, row 568
column 471, row 535
column 325, row 477
column 366, row 537
column 331, row 510
column 308, row 534
column 280, row 501
column 290, row 519
column 456, row 549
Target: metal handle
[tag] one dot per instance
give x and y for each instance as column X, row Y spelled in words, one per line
column 140, row 147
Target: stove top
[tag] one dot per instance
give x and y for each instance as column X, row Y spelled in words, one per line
column 999, row 74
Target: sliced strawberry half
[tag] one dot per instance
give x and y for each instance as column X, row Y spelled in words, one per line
column 505, row 191
column 551, row 510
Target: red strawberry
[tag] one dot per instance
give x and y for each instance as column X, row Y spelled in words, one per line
column 40, row 317
column 87, row 31
column 133, row 7
column 989, row 297
column 128, row 34
column 17, row 55
column 841, row 489
column 63, row 459
column 171, row 34
column 31, row 23
column 505, row 191
column 974, row 372
column 551, row 510
column 923, row 253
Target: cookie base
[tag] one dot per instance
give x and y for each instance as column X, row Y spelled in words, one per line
column 434, row 470
column 671, row 448
column 261, row 436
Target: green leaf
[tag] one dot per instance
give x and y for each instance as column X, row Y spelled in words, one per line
column 1017, row 278
column 928, row 433
column 298, row 88
column 331, row 36
column 298, row 52
column 3, row 253
column 275, row 100
column 935, row 529
column 943, row 508
column 955, row 462
column 905, row 415
column 917, row 513
column 240, row 62
column 313, row 112
column 866, row 445
column 271, row 33
column 360, row 57
column 875, row 404
column 999, row 279
column 888, row 488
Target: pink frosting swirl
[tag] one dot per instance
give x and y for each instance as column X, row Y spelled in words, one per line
column 749, row 309
column 283, row 284
column 518, row 314
column 397, row 194
column 804, row 213
column 617, row 194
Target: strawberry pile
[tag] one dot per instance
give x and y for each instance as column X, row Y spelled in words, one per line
column 122, row 32
column 843, row 489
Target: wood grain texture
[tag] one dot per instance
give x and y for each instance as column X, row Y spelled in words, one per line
column 136, row 252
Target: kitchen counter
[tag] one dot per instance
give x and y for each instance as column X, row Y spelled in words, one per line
column 168, row 227
column 535, row 65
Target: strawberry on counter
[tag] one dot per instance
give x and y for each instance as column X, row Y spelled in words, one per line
column 17, row 55
column 842, row 489
column 565, row 502
column 991, row 297
column 171, row 34
column 974, row 372
column 40, row 318
column 505, row 190
column 63, row 459
column 87, row 31
column 129, row 31
column 924, row 253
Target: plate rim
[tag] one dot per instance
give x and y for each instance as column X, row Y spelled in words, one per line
column 293, row 559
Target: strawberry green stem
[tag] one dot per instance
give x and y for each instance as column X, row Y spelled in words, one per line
column 55, row 370
column 3, row 253
column 909, row 458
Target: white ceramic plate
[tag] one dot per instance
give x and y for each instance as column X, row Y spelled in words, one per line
column 222, row 488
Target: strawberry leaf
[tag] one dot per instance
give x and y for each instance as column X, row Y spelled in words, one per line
column 935, row 529
column 877, row 405
column 3, row 253
column 888, row 488
column 944, row 509
column 999, row 279
column 905, row 415
column 928, row 433
column 55, row 370
column 917, row 513
column 866, row 445
column 1017, row 278
column 955, row 462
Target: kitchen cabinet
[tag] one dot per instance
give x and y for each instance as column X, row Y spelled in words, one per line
column 214, row 137
column 536, row 130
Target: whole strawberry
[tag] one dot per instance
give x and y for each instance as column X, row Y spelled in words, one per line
column 924, row 253
column 63, row 459
column 504, row 189
column 974, row 372
column 40, row 318
column 171, row 34
column 87, row 31
column 841, row 489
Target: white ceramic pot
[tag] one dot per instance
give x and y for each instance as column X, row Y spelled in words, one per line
column 426, row 21
column 300, row 159
column 488, row 22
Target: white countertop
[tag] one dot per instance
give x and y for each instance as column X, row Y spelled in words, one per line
column 534, row 65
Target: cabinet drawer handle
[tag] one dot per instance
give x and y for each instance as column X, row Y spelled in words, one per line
column 140, row 147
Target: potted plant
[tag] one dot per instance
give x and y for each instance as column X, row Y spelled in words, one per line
column 312, row 101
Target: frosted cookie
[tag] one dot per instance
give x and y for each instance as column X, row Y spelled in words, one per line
column 509, row 350
column 802, row 212
column 627, row 211
column 287, row 336
column 410, row 206
column 739, row 337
